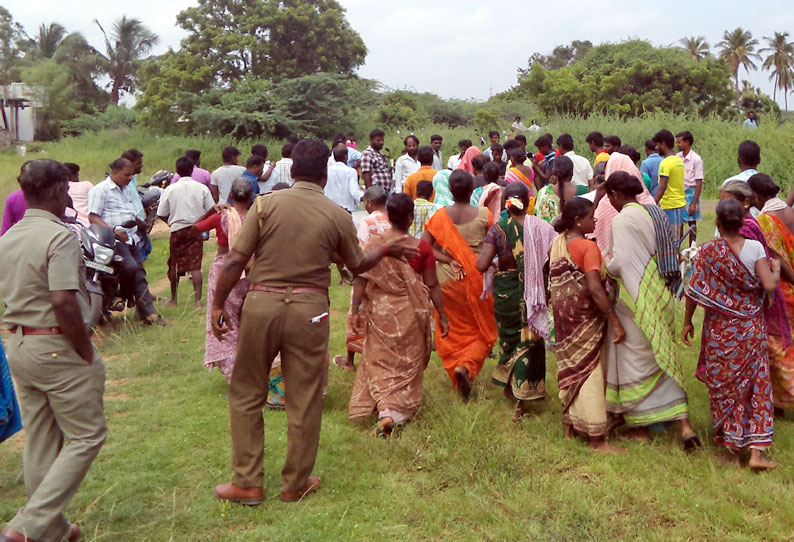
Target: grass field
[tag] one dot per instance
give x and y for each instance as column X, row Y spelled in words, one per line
column 457, row 472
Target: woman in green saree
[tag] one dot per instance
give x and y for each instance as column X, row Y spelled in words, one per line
column 522, row 353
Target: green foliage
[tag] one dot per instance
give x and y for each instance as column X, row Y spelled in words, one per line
column 111, row 118
column 13, row 43
column 51, row 84
column 171, row 87
column 752, row 99
column 308, row 105
column 560, row 57
column 629, row 79
column 402, row 109
column 271, row 39
column 485, row 121
column 128, row 42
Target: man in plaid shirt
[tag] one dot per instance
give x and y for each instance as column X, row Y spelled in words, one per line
column 375, row 169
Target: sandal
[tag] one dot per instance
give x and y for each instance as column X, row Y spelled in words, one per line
column 342, row 362
column 384, row 428
column 691, row 443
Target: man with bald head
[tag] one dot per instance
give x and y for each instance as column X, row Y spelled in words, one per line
column 111, row 204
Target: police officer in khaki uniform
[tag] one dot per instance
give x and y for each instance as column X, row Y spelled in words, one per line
column 60, row 376
column 294, row 235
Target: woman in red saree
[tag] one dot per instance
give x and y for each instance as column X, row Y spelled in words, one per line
column 396, row 320
column 776, row 220
column 729, row 278
column 456, row 234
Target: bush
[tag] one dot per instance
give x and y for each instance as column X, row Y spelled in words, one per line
column 111, row 118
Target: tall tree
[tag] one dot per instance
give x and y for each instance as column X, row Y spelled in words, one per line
column 129, row 41
column 738, row 48
column 696, row 46
column 271, row 39
column 13, row 43
column 780, row 62
column 48, row 39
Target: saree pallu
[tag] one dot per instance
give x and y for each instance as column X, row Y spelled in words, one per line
column 472, row 329
column 734, row 347
column 397, row 341
column 547, row 204
column 579, row 330
column 222, row 354
column 777, row 320
column 645, row 384
column 781, row 355
column 522, row 354
column 513, row 175
column 10, row 415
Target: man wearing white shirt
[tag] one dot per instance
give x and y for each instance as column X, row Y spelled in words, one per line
column 222, row 178
column 407, row 163
column 438, row 157
column 342, row 185
column 582, row 170
column 181, row 205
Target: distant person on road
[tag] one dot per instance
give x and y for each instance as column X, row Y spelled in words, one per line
column 224, row 176
column 181, row 205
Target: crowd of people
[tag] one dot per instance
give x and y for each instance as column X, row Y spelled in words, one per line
column 534, row 251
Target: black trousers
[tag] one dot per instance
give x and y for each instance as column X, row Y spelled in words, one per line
column 133, row 278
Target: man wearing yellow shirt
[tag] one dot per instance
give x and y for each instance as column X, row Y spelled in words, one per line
column 595, row 140
column 670, row 195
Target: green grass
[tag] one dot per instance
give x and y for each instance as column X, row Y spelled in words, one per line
column 457, row 472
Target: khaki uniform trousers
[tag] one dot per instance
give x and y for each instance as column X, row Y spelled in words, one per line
column 273, row 323
column 61, row 397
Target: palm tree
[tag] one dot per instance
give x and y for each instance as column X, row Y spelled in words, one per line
column 738, row 48
column 48, row 40
column 697, row 46
column 129, row 41
column 780, row 61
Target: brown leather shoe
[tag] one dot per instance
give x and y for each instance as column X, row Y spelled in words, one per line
column 249, row 496
column 312, row 485
column 74, row 533
column 10, row 535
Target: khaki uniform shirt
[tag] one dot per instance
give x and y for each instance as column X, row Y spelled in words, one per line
column 301, row 231
column 38, row 255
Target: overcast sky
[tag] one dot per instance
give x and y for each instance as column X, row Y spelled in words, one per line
column 460, row 48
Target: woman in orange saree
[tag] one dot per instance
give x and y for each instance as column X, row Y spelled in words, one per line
column 456, row 234
column 775, row 220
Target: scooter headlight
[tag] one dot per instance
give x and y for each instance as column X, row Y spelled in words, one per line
column 103, row 254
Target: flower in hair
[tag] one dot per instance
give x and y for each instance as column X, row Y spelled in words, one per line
column 514, row 202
